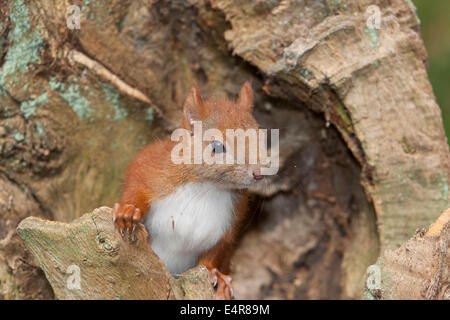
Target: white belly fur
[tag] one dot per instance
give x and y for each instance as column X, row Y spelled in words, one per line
column 188, row 222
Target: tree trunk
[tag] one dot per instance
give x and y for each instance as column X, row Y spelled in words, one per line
column 364, row 159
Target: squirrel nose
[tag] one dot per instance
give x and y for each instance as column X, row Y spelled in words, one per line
column 257, row 174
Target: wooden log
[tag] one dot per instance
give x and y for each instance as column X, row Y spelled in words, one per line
column 89, row 259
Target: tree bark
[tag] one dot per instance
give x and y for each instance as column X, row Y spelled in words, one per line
column 89, row 259
column 419, row 269
column 364, row 159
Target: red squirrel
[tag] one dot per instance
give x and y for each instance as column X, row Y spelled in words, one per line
column 192, row 212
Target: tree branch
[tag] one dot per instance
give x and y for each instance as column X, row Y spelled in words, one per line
column 88, row 259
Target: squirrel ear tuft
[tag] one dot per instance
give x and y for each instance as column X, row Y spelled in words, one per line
column 245, row 99
column 193, row 108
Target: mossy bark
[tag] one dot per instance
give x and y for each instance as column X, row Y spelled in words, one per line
column 364, row 159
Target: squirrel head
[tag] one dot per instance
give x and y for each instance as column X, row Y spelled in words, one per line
column 228, row 132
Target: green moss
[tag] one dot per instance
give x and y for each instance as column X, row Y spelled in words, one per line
column 39, row 128
column 149, row 114
column 19, row 137
column 373, row 35
column 25, row 48
column 305, row 74
column 344, row 116
column 408, row 147
column 72, row 95
column 112, row 97
column 435, row 30
column 443, row 187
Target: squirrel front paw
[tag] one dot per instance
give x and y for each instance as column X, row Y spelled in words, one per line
column 222, row 282
column 126, row 217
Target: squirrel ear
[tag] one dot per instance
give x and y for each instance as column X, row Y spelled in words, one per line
column 193, row 108
column 245, row 99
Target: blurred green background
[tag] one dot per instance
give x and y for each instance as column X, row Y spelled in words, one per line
column 434, row 16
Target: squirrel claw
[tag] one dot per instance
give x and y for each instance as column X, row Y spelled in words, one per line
column 126, row 217
column 214, row 279
column 222, row 282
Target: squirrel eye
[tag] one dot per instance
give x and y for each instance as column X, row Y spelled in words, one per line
column 217, row 147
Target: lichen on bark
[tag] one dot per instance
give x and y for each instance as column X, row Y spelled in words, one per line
column 364, row 160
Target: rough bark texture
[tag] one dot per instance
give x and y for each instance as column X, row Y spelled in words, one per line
column 108, row 265
column 364, row 159
column 419, row 269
